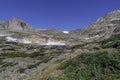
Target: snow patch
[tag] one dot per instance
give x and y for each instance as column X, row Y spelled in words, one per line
column 96, row 36
column 1, row 35
column 66, row 32
column 86, row 38
column 11, row 39
column 26, row 41
column 54, row 43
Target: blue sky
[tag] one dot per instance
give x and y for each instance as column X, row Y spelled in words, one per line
column 58, row 14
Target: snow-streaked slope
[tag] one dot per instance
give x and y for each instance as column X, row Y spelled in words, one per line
column 29, row 41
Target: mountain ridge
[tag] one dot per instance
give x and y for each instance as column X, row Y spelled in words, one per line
column 102, row 28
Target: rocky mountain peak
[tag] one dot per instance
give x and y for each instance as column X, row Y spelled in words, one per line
column 15, row 24
column 114, row 15
column 15, row 19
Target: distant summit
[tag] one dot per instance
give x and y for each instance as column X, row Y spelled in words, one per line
column 15, row 24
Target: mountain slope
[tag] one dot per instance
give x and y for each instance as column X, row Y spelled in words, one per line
column 16, row 30
column 104, row 27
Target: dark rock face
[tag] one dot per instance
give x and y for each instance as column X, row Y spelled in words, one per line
column 15, row 24
column 3, row 25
